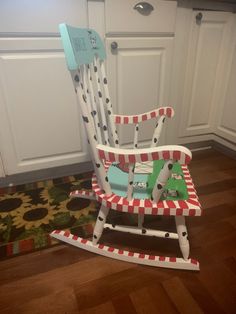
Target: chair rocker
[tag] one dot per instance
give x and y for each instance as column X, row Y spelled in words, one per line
column 146, row 181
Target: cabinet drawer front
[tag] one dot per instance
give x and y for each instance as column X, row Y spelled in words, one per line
column 122, row 17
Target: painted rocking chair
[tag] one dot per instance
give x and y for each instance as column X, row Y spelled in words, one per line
column 147, row 181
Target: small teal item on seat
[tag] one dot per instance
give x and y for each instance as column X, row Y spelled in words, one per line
column 80, row 46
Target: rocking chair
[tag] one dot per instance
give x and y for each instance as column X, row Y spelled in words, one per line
column 147, row 181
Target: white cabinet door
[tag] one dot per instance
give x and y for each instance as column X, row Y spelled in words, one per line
column 226, row 118
column 40, row 125
column 208, row 51
column 139, row 71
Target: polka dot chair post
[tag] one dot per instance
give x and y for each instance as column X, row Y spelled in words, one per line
column 148, row 181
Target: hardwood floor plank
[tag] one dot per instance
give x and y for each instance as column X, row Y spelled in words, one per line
column 181, row 297
column 68, row 280
column 118, row 284
column 143, row 302
column 52, row 281
column 100, row 309
column 123, row 305
column 221, row 282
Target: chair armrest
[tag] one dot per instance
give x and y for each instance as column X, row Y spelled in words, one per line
column 168, row 152
column 133, row 119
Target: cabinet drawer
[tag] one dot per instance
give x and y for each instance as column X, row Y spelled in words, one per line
column 122, row 17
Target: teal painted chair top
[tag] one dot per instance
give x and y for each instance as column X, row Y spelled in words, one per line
column 81, row 45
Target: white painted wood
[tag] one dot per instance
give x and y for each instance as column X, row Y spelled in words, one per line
column 145, row 259
column 140, row 72
column 122, row 18
column 41, row 16
column 208, row 50
column 226, row 111
column 40, row 124
column 2, row 173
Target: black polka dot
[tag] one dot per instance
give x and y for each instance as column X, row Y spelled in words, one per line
column 95, row 237
column 187, row 237
column 95, row 137
column 100, row 218
column 116, row 141
column 95, row 69
column 109, row 112
column 136, row 128
column 116, row 132
column 163, row 120
column 98, row 80
column 144, row 231
column 170, row 166
column 105, row 142
column 151, row 197
column 99, row 94
column 136, row 145
column 104, row 128
column 85, row 119
column 105, row 81
column 107, row 100
column 87, row 91
column 76, row 78
column 184, row 234
column 167, row 235
column 103, row 191
column 106, row 178
column 156, row 125
column 84, row 98
column 98, row 165
column 94, row 112
column 159, row 186
column 88, row 142
column 131, row 182
column 98, row 124
column 155, row 140
column 113, row 225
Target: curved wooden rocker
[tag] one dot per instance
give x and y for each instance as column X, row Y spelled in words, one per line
column 150, row 181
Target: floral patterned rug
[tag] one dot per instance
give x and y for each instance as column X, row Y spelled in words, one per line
column 28, row 213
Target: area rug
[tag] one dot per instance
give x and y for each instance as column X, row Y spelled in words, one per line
column 28, row 213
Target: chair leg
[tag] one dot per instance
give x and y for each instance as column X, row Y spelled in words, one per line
column 183, row 236
column 140, row 220
column 101, row 219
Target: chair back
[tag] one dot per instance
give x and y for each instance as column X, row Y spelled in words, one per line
column 85, row 56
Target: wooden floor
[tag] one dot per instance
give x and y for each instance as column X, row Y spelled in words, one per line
column 67, row 280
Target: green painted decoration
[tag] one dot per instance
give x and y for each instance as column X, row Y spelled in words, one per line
column 81, row 45
column 144, row 183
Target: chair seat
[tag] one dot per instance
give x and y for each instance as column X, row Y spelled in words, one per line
column 141, row 203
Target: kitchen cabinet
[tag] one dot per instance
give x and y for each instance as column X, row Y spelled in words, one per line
column 225, row 124
column 40, row 125
column 209, row 51
column 139, row 69
column 139, row 59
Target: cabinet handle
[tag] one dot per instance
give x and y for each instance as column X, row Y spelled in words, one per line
column 144, row 8
column 114, row 45
column 199, row 17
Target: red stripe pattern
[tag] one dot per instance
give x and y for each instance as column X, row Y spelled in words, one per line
column 150, row 155
column 128, row 256
column 83, row 194
column 189, row 207
column 163, row 111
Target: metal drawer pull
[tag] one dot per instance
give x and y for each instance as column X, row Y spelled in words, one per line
column 199, row 17
column 144, row 8
column 114, row 45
